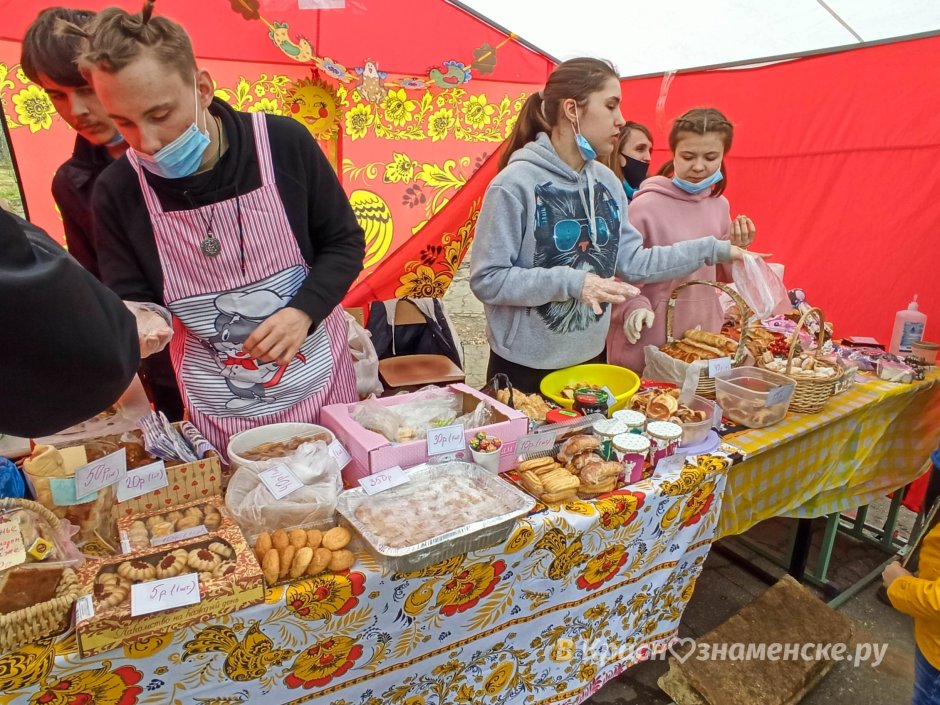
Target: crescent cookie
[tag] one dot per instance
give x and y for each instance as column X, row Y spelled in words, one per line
column 202, row 559
column 221, row 549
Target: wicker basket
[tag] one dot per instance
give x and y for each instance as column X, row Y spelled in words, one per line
column 810, row 395
column 45, row 618
column 706, row 385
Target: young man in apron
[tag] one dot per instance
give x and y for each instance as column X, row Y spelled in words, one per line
column 235, row 222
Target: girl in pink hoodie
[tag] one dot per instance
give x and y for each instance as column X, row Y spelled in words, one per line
column 684, row 204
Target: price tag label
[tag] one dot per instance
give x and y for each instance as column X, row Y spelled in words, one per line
column 536, row 443
column 722, row 364
column 166, row 594
column 339, row 453
column 142, row 480
column 670, row 465
column 190, row 533
column 446, row 439
column 84, row 609
column 280, row 480
column 100, row 473
column 779, row 395
column 12, row 550
column 385, row 480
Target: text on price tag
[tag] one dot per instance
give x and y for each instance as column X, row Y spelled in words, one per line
column 535, row 443
column 141, row 481
column 670, row 464
column 166, row 594
column 100, row 473
column 721, row 364
column 385, row 480
column 778, row 395
column 280, row 480
column 446, row 439
column 12, row 550
column 339, row 453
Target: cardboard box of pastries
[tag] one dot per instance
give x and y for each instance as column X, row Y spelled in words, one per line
column 229, row 579
column 157, row 528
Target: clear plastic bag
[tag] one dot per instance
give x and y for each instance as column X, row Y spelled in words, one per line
column 255, row 509
column 760, row 287
column 365, row 359
column 409, row 420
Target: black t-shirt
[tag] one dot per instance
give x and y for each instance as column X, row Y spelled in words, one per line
column 68, row 345
column 330, row 240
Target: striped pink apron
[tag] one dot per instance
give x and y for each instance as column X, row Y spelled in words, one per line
column 216, row 306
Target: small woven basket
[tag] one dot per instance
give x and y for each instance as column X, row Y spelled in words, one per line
column 44, row 618
column 706, row 385
column 811, row 394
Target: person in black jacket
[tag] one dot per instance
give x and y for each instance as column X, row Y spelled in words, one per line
column 68, row 345
column 235, row 222
column 48, row 59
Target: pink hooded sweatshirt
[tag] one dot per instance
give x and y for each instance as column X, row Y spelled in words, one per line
column 665, row 214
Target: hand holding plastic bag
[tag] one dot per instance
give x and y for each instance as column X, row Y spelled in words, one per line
column 153, row 326
column 760, row 288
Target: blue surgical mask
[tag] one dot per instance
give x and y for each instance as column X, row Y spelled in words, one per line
column 116, row 140
column 182, row 157
column 689, row 187
column 584, row 147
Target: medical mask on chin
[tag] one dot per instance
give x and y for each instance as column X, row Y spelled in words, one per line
column 635, row 171
column 689, row 187
column 182, row 157
column 584, row 147
column 116, row 140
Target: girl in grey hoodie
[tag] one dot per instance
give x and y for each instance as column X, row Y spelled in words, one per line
column 553, row 232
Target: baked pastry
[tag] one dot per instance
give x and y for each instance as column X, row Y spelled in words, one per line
column 137, row 570
column 24, row 587
column 170, row 566
column 341, row 560
column 188, row 522
column 202, row 559
column 320, row 561
column 336, row 538
column 298, row 538
column 263, row 545
column 161, row 528
column 286, row 558
column 302, row 558
column 314, row 538
column 193, row 512
column 224, row 569
column 714, row 340
column 111, row 589
column 577, row 444
column 221, row 549
column 213, row 519
column 280, row 539
column 271, row 566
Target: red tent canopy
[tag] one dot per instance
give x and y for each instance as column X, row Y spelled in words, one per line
column 836, row 158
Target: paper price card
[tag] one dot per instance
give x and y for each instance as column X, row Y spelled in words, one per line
column 339, row 453
column 12, row 550
column 385, row 480
column 280, row 480
column 166, row 594
column 142, row 480
column 446, row 439
column 535, row 443
column 722, row 364
column 190, row 533
column 778, row 395
column 100, row 473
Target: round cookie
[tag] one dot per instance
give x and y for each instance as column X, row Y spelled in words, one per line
column 202, row 559
column 342, row 559
column 336, row 538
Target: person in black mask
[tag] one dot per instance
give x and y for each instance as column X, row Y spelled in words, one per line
column 630, row 161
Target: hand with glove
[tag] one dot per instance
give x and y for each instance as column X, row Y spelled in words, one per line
column 635, row 322
column 153, row 326
column 598, row 290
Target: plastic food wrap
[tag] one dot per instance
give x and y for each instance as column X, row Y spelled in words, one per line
column 255, row 509
column 760, row 287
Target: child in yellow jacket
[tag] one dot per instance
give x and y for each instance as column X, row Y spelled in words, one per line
column 919, row 596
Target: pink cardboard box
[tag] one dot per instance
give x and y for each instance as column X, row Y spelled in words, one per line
column 372, row 452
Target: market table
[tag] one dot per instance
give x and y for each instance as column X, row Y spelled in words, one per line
column 515, row 623
column 873, row 439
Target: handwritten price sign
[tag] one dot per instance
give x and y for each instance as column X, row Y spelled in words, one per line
column 446, row 439
column 101, row 473
column 166, row 594
column 142, row 480
column 535, row 443
column 280, row 480
column 385, row 480
column 12, row 550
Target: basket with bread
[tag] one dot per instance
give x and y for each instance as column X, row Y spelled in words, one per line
column 816, row 378
column 698, row 345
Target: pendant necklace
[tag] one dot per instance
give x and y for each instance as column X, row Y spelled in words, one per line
column 211, row 246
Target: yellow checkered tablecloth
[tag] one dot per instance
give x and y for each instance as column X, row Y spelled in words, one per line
column 868, row 441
